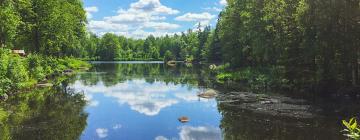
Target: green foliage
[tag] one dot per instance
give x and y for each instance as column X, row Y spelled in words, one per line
column 48, row 27
column 168, row 56
column 20, row 72
column 352, row 129
column 308, row 41
column 35, row 66
column 9, row 22
column 109, row 47
column 17, row 72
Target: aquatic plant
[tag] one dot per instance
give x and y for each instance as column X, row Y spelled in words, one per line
column 352, row 129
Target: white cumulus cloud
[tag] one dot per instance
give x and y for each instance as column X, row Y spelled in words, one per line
column 203, row 18
column 90, row 11
column 223, row 2
column 133, row 22
column 152, row 6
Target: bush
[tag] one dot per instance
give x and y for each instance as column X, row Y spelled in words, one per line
column 4, row 85
column 168, row 56
column 17, row 72
column 35, row 67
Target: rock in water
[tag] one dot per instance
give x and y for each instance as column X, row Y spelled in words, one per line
column 171, row 63
column 208, row 94
column 183, row 119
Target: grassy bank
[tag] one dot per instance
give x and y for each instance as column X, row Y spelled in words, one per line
column 17, row 72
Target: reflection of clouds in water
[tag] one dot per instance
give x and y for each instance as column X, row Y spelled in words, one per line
column 102, row 132
column 161, row 138
column 143, row 97
column 187, row 96
column 200, row 133
column 196, row 133
column 91, row 101
column 117, row 126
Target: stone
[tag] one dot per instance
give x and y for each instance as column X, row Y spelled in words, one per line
column 208, row 94
column 183, row 119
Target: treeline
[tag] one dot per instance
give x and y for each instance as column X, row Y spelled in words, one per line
column 187, row 46
column 312, row 42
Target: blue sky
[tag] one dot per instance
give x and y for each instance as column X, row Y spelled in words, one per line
column 140, row 18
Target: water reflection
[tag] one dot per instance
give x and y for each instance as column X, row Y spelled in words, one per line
column 43, row 114
column 196, row 133
column 143, row 97
column 144, row 101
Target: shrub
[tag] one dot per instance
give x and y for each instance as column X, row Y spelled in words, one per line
column 168, row 56
column 17, row 73
column 222, row 77
column 35, row 67
column 4, row 85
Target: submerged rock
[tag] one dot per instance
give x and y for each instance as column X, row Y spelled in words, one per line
column 209, row 94
column 183, row 119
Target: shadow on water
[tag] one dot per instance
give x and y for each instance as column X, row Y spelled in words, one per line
column 43, row 114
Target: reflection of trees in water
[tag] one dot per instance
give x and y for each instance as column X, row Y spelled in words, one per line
column 111, row 74
column 242, row 124
column 44, row 114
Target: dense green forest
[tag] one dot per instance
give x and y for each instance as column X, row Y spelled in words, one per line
column 309, row 41
column 299, row 41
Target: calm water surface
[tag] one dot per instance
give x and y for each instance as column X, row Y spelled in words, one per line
column 139, row 101
column 143, row 101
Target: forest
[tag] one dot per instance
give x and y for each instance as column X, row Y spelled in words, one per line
column 299, row 41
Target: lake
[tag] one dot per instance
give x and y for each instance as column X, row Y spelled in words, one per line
column 143, row 101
